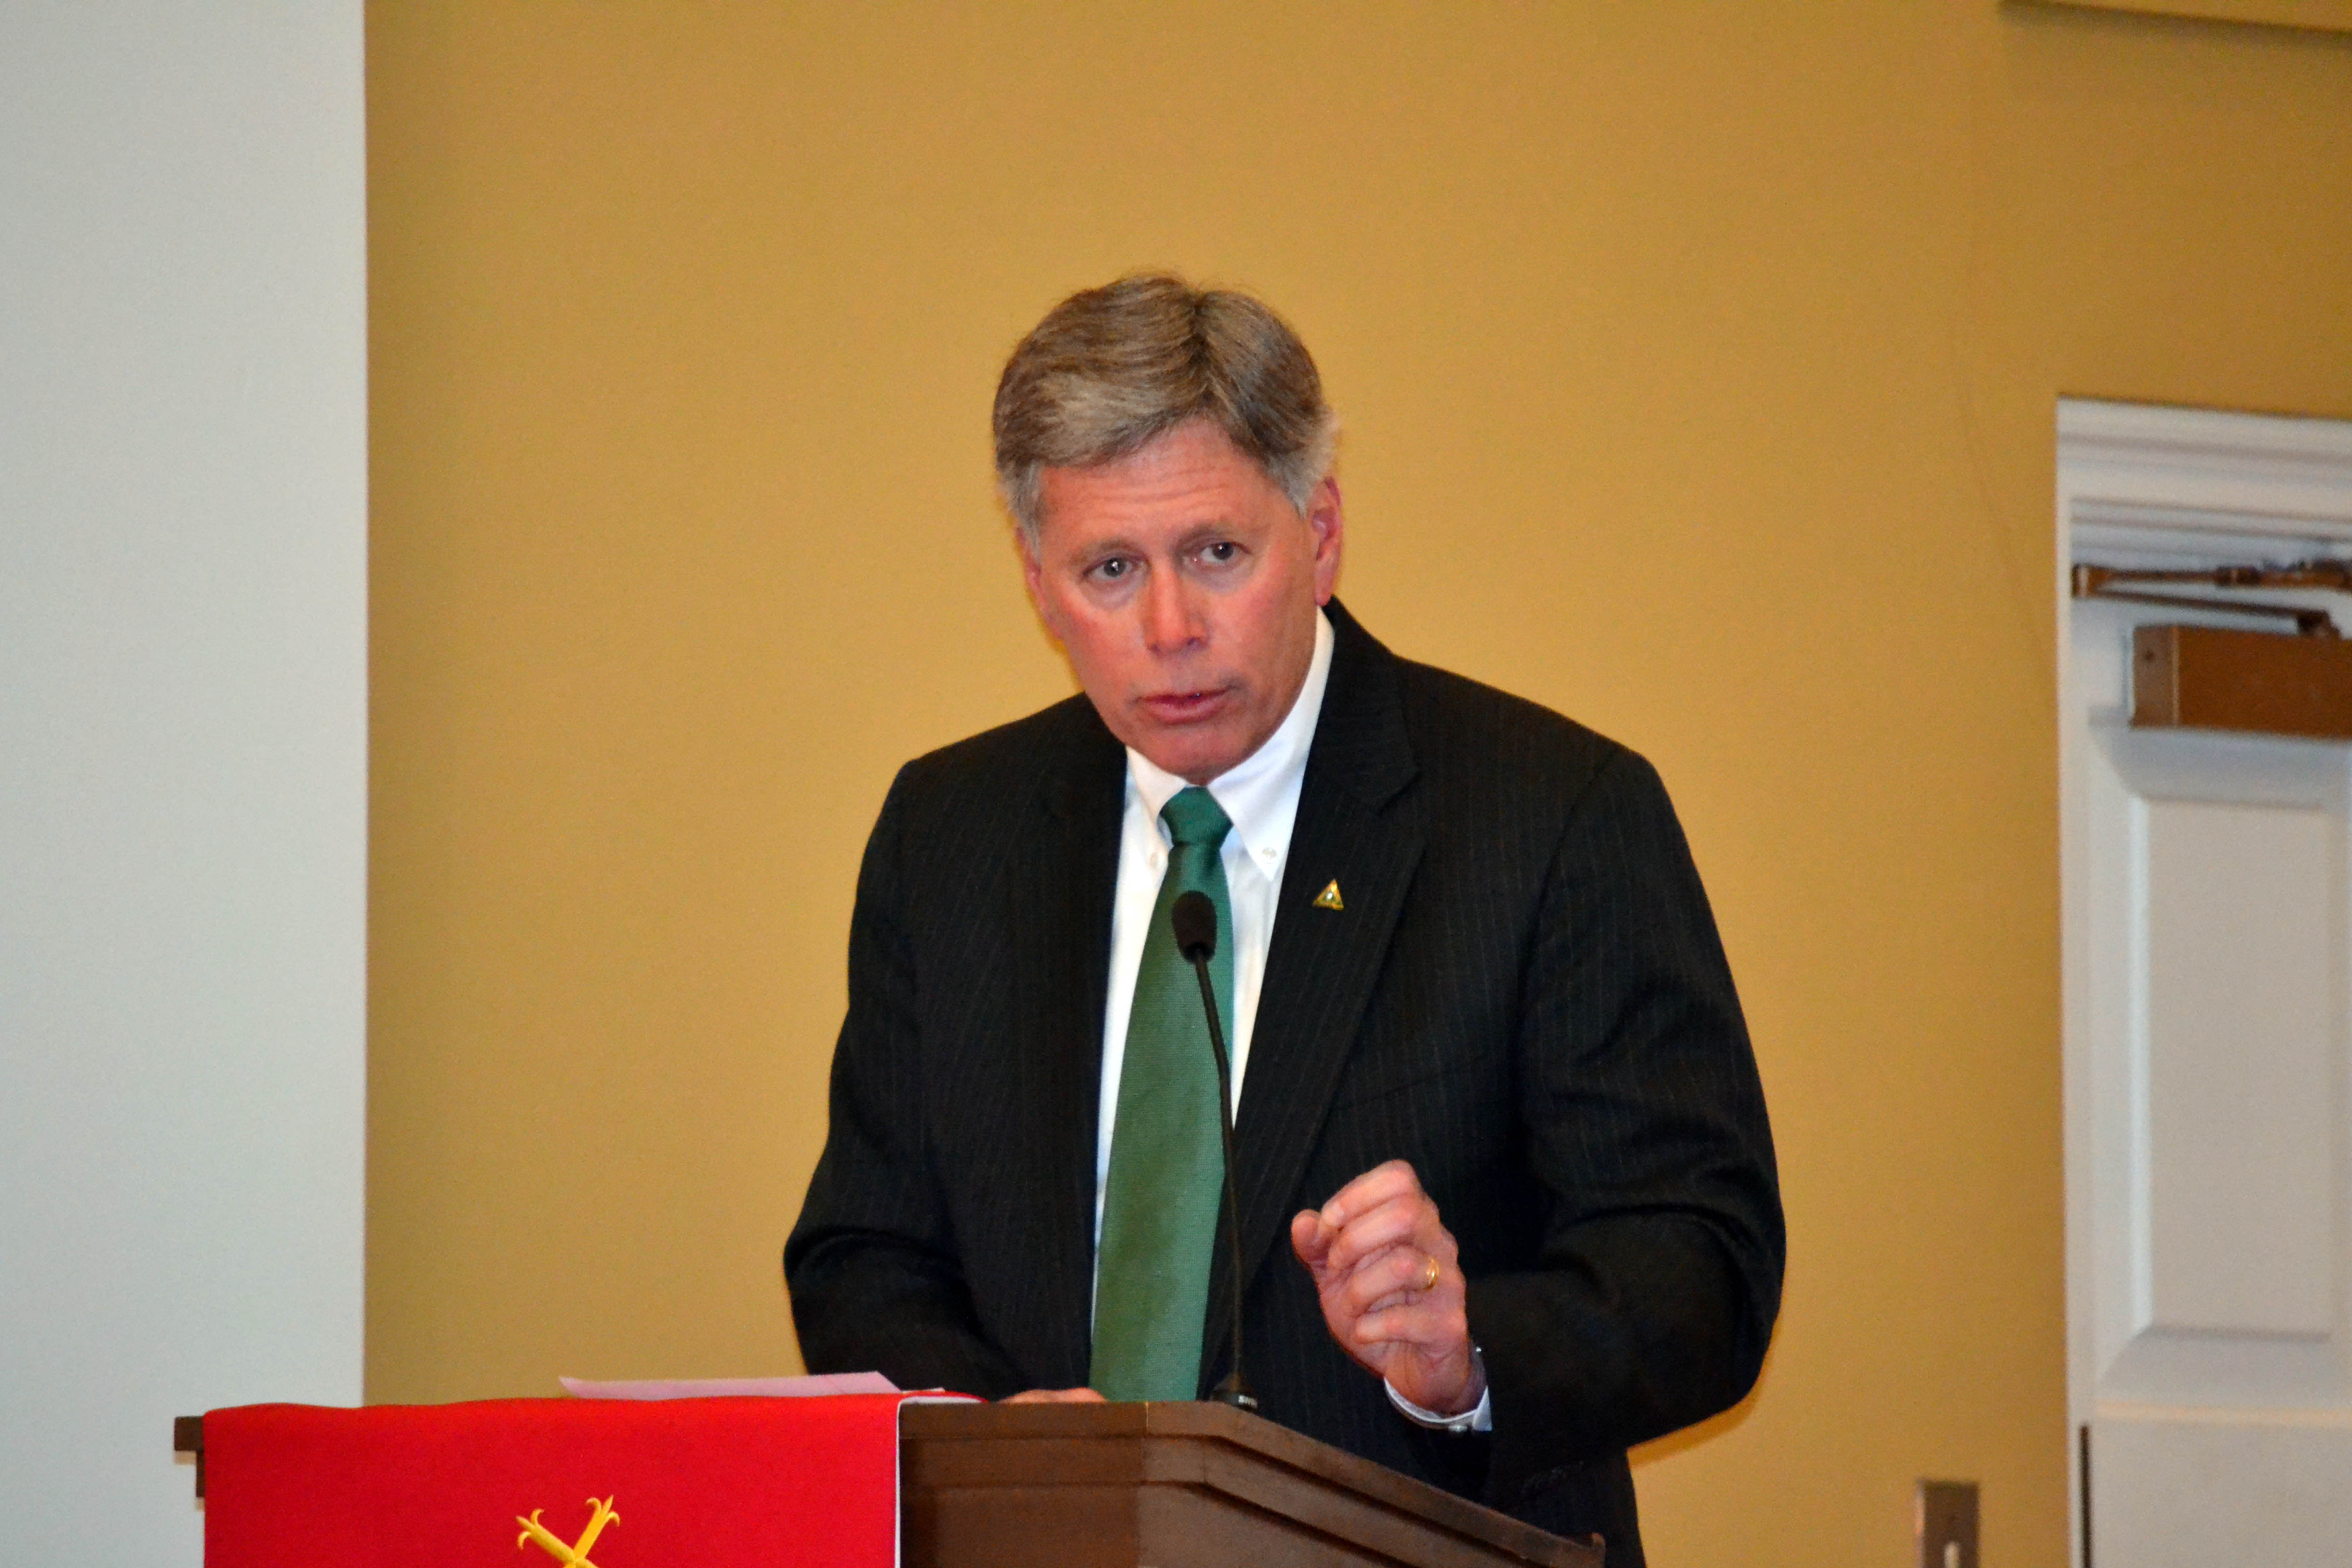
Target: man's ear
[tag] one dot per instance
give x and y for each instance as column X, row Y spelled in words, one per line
column 1033, row 573
column 1031, row 568
column 1329, row 520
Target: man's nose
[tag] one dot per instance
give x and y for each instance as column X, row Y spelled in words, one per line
column 1170, row 622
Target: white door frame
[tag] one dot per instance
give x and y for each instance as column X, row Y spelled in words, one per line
column 2135, row 481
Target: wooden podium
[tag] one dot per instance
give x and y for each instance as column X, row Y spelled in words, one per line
column 1113, row 1486
column 1174, row 1486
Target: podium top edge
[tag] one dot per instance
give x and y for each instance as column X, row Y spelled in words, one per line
column 1252, row 1434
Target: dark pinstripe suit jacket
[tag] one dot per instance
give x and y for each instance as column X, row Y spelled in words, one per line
column 1525, row 996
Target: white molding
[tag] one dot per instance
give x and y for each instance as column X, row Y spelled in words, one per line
column 2143, row 484
column 2125, row 1410
column 2201, row 468
column 183, row 746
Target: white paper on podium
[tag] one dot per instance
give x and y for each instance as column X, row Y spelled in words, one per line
column 731, row 1387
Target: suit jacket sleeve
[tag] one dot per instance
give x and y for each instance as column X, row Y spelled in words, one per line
column 871, row 1266
column 1655, row 1280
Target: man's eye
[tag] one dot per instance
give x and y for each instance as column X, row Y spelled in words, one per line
column 1111, row 571
column 1224, row 553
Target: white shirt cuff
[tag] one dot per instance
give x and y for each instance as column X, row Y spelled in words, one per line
column 1481, row 1419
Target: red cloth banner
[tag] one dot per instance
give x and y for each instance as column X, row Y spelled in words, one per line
column 538, row 1483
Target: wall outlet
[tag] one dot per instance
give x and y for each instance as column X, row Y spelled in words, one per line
column 1947, row 1522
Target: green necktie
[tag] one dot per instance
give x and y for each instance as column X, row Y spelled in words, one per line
column 1161, row 1199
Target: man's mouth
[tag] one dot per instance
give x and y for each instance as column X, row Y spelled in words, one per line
column 1186, row 707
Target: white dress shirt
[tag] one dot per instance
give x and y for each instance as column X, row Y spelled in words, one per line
column 1260, row 795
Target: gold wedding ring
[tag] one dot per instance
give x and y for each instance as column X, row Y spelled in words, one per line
column 1430, row 1276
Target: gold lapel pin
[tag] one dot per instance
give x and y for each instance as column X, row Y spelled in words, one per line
column 1329, row 898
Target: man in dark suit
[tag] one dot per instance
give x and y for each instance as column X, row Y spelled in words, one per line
column 1505, row 1184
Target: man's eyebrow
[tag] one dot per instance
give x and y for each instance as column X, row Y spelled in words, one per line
column 1194, row 535
column 1205, row 531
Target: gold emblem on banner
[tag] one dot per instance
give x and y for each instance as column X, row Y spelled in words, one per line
column 1329, row 898
column 576, row 1554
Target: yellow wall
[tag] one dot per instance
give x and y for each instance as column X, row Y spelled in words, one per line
column 1697, row 365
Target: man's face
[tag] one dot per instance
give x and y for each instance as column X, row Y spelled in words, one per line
column 1183, row 586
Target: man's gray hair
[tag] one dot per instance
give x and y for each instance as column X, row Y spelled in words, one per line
column 1110, row 370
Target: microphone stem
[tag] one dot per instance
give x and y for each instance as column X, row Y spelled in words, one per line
column 1235, row 1390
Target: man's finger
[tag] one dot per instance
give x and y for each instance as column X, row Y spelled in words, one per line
column 1311, row 1239
column 1412, row 1220
column 1397, row 1275
column 1432, row 1330
column 1054, row 1396
column 1376, row 1186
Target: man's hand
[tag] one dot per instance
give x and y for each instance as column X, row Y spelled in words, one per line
column 1054, row 1396
column 1392, row 1287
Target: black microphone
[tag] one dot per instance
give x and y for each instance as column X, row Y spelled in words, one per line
column 1194, row 919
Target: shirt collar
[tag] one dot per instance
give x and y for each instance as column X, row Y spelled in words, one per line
column 1260, row 793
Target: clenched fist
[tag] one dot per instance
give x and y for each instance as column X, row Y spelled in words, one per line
column 1392, row 1287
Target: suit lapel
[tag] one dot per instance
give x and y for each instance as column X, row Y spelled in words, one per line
column 1352, row 830
column 1060, row 932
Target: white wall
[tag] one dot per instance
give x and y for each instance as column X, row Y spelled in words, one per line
column 183, row 744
